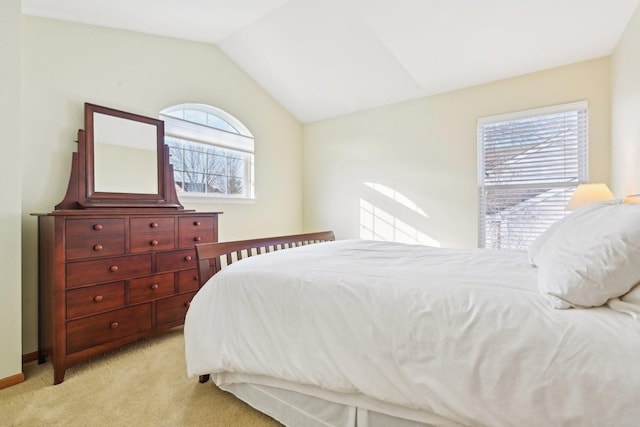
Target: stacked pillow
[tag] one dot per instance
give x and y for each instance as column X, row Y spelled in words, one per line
column 590, row 256
column 535, row 249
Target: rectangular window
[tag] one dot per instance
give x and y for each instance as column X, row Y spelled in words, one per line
column 529, row 165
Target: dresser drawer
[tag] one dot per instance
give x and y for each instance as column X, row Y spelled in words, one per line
column 94, row 246
column 107, row 270
column 152, row 241
column 151, row 287
column 94, row 299
column 94, row 227
column 176, row 260
column 152, row 225
column 170, row 310
column 192, row 230
column 152, row 234
column 188, row 280
column 106, row 327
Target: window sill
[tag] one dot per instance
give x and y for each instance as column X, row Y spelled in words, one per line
column 203, row 198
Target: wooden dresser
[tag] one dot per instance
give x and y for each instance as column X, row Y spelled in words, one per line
column 109, row 278
column 117, row 258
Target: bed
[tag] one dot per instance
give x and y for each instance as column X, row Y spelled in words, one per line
column 367, row 333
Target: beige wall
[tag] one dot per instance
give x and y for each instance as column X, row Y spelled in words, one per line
column 424, row 149
column 10, row 285
column 625, row 110
column 67, row 64
column 422, row 155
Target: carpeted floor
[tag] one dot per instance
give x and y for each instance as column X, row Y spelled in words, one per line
column 142, row 384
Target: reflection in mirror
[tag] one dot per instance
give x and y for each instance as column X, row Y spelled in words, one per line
column 125, row 155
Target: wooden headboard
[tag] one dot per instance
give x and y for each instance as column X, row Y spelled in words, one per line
column 212, row 257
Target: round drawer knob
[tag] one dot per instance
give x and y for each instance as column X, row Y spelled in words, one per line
column 153, row 243
column 97, row 298
column 154, row 286
column 195, row 277
column 187, row 304
column 97, row 227
column 197, row 239
column 187, row 258
column 196, row 223
column 153, row 225
column 113, row 268
column 97, row 248
column 114, row 325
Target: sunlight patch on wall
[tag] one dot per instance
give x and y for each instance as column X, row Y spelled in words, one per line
column 378, row 223
column 396, row 196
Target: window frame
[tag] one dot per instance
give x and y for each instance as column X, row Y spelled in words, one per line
column 238, row 139
column 581, row 108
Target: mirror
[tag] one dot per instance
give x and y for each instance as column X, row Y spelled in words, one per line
column 121, row 162
column 125, row 155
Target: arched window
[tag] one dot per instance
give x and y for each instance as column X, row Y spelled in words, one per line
column 211, row 151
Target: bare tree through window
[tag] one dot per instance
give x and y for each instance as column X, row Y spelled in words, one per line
column 203, row 169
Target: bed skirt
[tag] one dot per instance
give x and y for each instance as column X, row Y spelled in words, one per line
column 302, row 405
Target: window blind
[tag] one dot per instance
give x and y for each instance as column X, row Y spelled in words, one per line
column 183, row 129
column 529, row 165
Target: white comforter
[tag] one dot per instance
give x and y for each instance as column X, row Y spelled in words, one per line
column 463, row 334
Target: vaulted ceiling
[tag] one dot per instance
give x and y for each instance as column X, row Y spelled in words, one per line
column 324, row 58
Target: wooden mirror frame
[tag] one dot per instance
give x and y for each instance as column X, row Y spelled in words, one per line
column 81, row 192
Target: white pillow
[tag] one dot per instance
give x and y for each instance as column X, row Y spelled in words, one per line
column 629, row 303
column 591, row 258
column 536, row 247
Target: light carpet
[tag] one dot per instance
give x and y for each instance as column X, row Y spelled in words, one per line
column 141, row 384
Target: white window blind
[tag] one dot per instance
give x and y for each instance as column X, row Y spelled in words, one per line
column 529, row 165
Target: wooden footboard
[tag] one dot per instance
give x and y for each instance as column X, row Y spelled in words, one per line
column 212, row 257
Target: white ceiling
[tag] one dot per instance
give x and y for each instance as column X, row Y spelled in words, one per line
column 324, row 58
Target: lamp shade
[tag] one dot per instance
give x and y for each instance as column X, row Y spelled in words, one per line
column 589, row 193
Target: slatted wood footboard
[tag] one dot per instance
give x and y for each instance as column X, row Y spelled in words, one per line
column 212, row 257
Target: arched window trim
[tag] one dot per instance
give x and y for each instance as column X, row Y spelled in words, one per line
column 236, row 124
